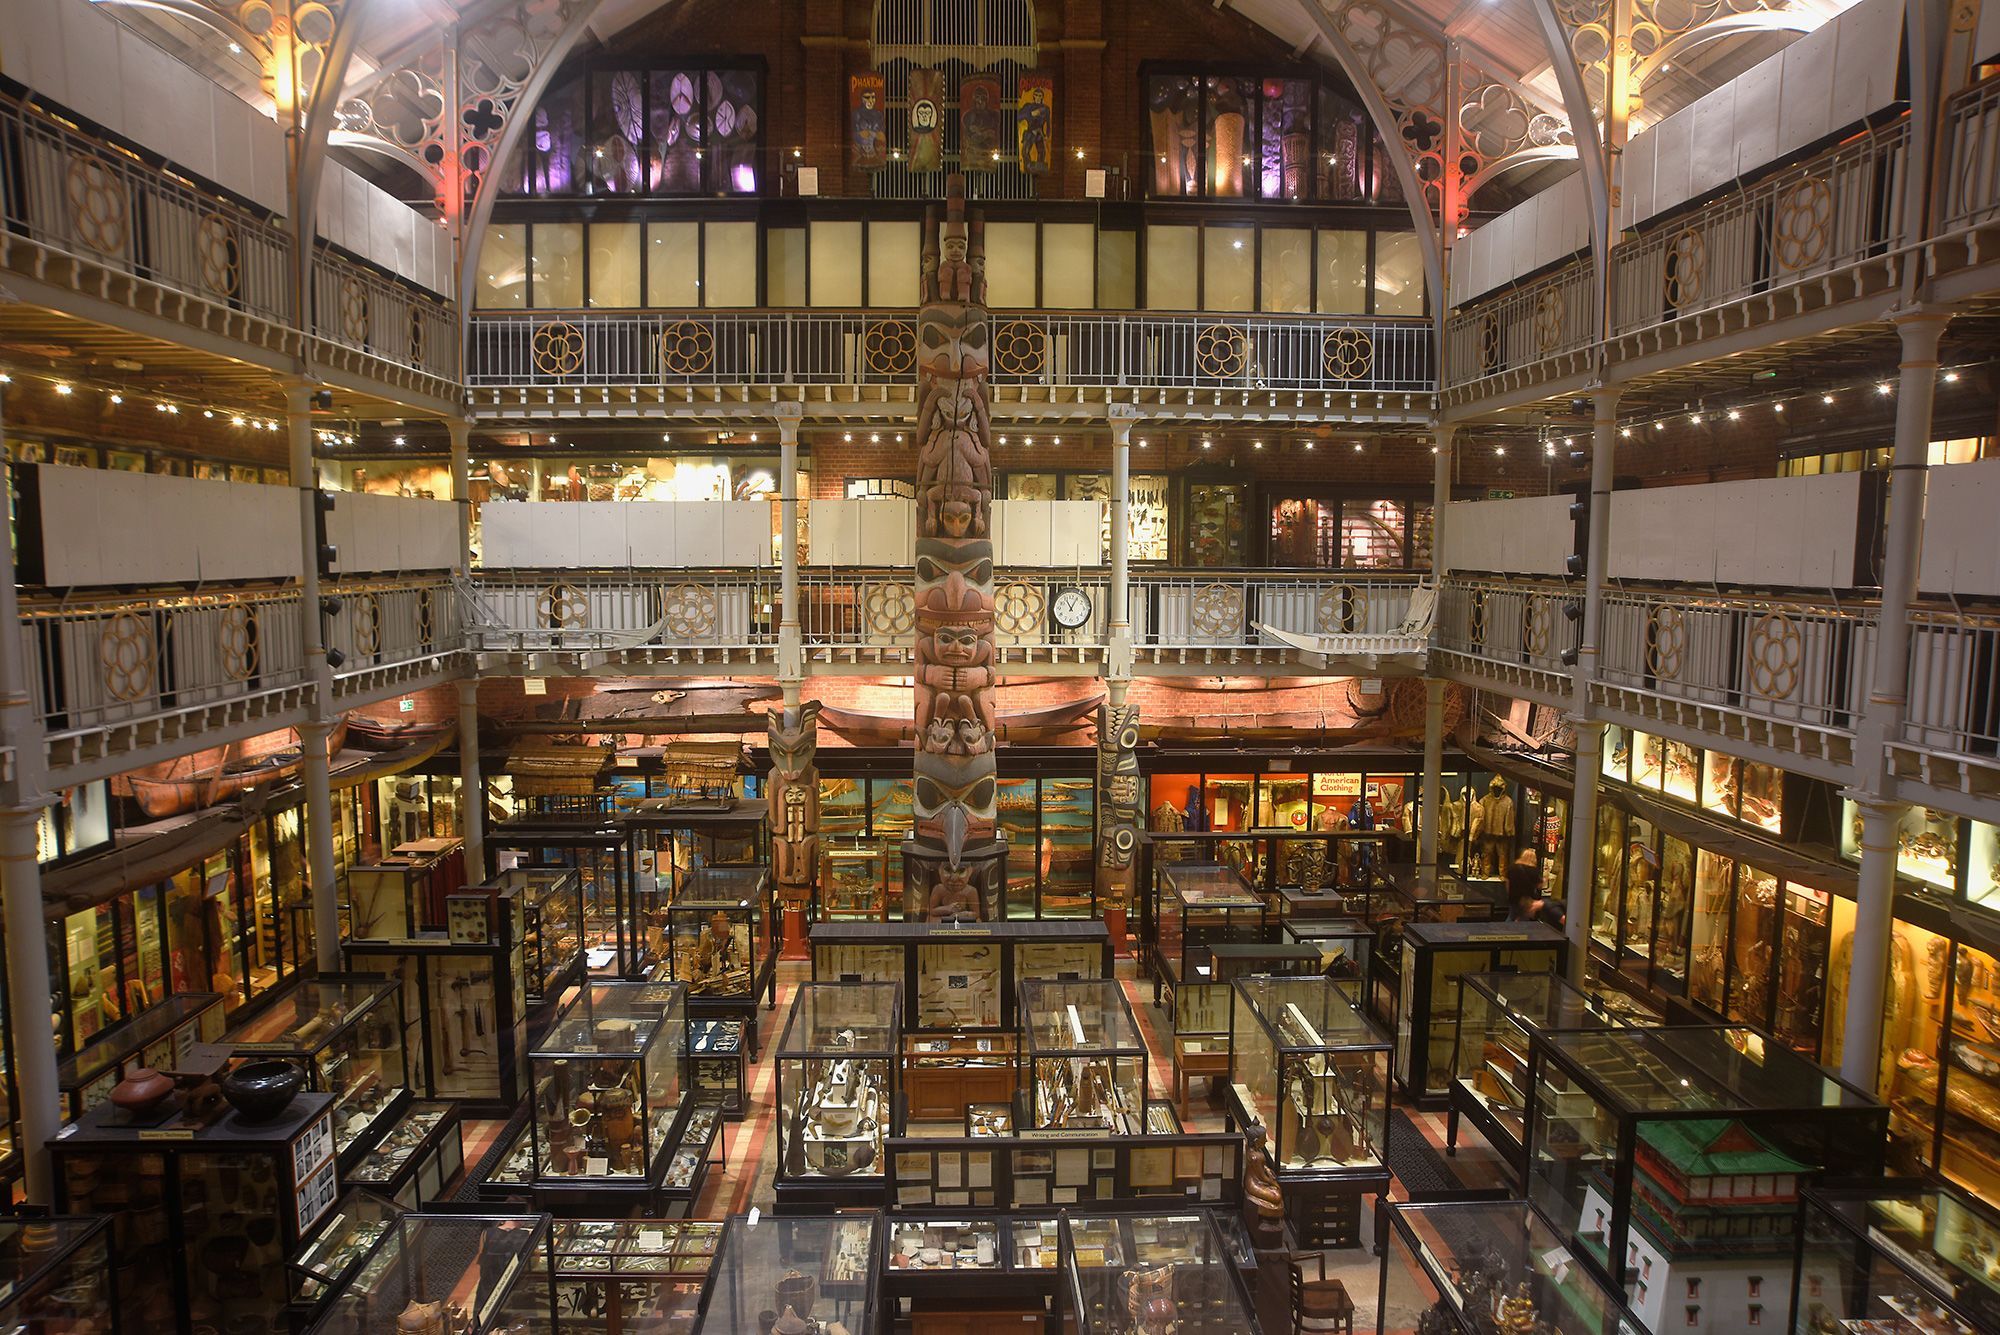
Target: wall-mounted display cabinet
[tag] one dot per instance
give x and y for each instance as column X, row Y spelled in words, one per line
column 1897, row 1255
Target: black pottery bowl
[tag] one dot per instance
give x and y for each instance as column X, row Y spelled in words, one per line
column 260, row 1091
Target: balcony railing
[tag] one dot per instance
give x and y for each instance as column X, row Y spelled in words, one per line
column 1971, row 182
column 357, row 308
column 1546, row 317
column 71, row 193
column 388, row 623
column 1825, row 214
column 674, row 348
column 526, row 612
column 1954, row 682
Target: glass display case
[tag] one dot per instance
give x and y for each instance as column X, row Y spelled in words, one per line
column 347, row 1031
column 1670, row 1161
column 1144, row 1273
column 1435, row 956
column 1084, row 1061
column 719, row 942
column 715, row 1064
column 1201, row 1003
column 817, row 1269
column 350, row 1233
column 1202, row 904
column 607, row 1082
column 1308, row 1066
column 206, row 1216
column 159, row 1038
column 55, row 1276
column 598, row 848
column 551, row 927
column 1917, row 1257
column 625, row 1276
column 1490, row 1268
column 415, row 1159
column 1345, row 945
column 436, row 1272
column 960, row 979
column 1500, row 1017
column 836, row 1089
column 401, row 897
column 854, row 880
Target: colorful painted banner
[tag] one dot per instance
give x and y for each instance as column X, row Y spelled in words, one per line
column 926, row 120
column 868, row 121
column 1035, row 122
column 979, row 118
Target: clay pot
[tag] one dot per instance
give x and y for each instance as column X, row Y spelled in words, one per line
column 261, row 1091
column 142, row 1091
column 797, row 1292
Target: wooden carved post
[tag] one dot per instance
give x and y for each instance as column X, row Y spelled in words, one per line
column 793, row 795
column 1119, row 813
column 954, row 869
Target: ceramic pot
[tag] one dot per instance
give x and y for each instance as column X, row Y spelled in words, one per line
column 141, row 1092
column 797, row 1292
column 260, row 1091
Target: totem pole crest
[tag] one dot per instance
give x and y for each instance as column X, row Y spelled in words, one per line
column 1119, row 801
column 955, row 867
column 793, row 802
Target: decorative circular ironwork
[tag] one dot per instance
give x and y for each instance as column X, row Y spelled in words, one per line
column 368, row 624
column 416, row 337
column 1804, row 222
column 1776, row 652
column 1549, row 314
column 1221, row 351
column 890, row 609
column 1326, row 612
column 689, row 611
column 890, row 346
column 687, row 347
column 216, row 250
column 1019, row 608
column 426, row 616
column 563, row 606
column 1217, row 611
column 558, row 348
column 127, row 655
column 238, row 636
column 1347, row 353
column 1666, row 643
column 1020, row 348
column 1538, row 627
column 1476, row 620
column 99, row 208
column 1686, row 260
column 1489, row 342
column 354, row 315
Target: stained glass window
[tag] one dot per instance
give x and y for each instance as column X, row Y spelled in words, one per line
column 638, row 132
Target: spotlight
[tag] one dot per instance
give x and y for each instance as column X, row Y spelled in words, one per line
column 1573, row 610
column 329, row 606
column 1826, row 398
column 1951, row 377
column 1575, row 567
column 400, row 440
column 1882, row 388
column 666, row 438
column 1500, row 450
column 1625, row 431
column 1733, row 414
column 64, row 390
column 334, row 659
column 322, row 399
column 1694, row 418
column 1659, row 426
column 118, row 398
column 1777, row 407
column 1569, row 657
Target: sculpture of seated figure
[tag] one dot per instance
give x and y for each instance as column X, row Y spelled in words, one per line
column 953, row 898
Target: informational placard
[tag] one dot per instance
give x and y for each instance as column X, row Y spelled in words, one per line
column 315, row 1196
column 313, row 1148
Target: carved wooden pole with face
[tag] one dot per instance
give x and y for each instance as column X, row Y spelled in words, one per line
column 794, row 802
column 955, row 655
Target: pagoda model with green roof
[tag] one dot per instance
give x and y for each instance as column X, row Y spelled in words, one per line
column 1714, row 1209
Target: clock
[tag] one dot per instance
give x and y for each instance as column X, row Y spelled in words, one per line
column 1070, row 608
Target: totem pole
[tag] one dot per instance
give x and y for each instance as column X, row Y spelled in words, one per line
column 1119, row 813
column 955, row 866
column 793, row 796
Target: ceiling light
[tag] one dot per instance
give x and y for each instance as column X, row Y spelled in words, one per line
column 235, row 49
column 1659, row 426
column 1500, row 449
column 1309, row 444
column 874, row 438
column 1568, row 441
column 400, row 440
column 666, row 438
column 118, row 398
column 64, row 389
column 208, row 412
column 1256, row 444
column 1027, row 440
column 1142, row 442
column 236, row 421
column 847, row 436
column 1695, row 418
column 1003, row 440
column 899, row 438
column 174, row 409
column 1626, row 432
column 1434, row 449
column 1357, row 447
column 1826, row 398
column 1207, row 444
column 6, row 379
column 1882, row 388
column 1055, row 440
column 1777, row 407
column 1951, row 377
column 1733, row 414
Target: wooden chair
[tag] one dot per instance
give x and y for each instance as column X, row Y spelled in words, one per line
column 1320, row 1306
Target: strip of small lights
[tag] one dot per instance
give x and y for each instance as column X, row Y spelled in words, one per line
column 168, row 405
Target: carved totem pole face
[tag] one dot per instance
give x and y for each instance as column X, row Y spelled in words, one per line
column 794, row 801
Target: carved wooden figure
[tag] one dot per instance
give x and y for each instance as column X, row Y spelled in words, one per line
column 794, row 802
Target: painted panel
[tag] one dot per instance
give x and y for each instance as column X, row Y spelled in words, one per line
column 1959, row 554
column 1771, row 532
column 1524, row 536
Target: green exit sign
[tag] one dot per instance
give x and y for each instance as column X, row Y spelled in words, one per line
column 1497, row 494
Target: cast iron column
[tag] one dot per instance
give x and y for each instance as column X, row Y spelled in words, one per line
column 1118, row 649
column 791, row 645
column 1888, row 695
column 1578, row 883
column 315, row 731
column 1431, row 787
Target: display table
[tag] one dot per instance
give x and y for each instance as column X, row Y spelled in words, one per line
column 1455, row 1266
column 1121, row 1265
column 159, row 1037
column 1202, row 904
column 412, row 1163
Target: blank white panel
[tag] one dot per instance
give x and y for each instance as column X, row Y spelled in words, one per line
column 600, row 539
column 33, row 52
column 1757, row 115
column 1712, row 146
column 747, row 528
column 698, row 533
column 1807, row 90
column 1959, row 554
column 1636, row 205
column 652, row 532
column 503, row 528
column 94, row 65
column 834, row 263
column 836, row 534
column 1986, row 37
column 1023, row 538
column 1010, row 265
column 1867, row 43
column 267, row 163
column 1526, row 536
column 429, row 534
column 1076, row 533
column 1671, row 166
column 152, row 529
column 886, row 529
column 1772, row 532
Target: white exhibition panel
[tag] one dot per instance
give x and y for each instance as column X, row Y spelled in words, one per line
column 1960, row 554
column 597, row 535
column 1529, row 535
column 376, row 533
column 1792, row 532
column 1048, row 533
column 1548, row 226
column 360, row 216
column 878, row 531
column 103, row 527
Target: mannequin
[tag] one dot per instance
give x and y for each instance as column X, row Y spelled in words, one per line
column 1494, row 827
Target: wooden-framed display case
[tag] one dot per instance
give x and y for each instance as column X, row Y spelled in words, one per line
column 464, row 1002
column 483, row 1265
column 1309, row 1068
column 551, row 928
column 1897, row 1255
column 628, row 1276
column 1645, row 1145
column 1083, row 1060
column 1202, row 904
column 347, row 1031
column 835, row 1092
column 405, row 893
column 598, row 847
column 340, row 1244
column 1458, row 1266
column 1118, row 1263
column 1434, row 956
column 854, row 880
column 207, row 1216
column 720, row 942
column 1500, row 1017
column 55, row 1275
column 416, row 1159
column 1202, row 1003
column 822, row 1268
column 159, row 1038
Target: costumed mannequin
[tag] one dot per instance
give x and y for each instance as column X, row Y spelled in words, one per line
column 1194, row 815
column 1451, row 827
column 1361, row 816
column 1494, row 828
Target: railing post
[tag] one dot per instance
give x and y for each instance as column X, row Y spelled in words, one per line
column 1118, row 650
column 1589, row 733
column 29, row 1040
column 791, row 645
column 1888, row 694
column 317, row 729
column 471, row 782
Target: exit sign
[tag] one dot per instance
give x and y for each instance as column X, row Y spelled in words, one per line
column 1498, row 494
column 406, row 706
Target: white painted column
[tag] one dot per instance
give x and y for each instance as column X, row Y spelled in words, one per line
column 315, row 732
column 1579, row 883
column 1888, row 695
column 30, row 1040
column 461, row 488
column 1431, row 785
column 1118, row 649
column 471, row 782
column 791, row 642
